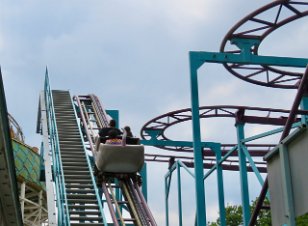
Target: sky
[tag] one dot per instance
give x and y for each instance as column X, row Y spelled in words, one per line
column 133, row 55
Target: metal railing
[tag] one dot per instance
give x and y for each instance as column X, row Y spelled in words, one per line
column 61, row 199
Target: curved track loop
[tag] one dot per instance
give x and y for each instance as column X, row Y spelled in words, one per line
column 266, row 116
column 257, row 26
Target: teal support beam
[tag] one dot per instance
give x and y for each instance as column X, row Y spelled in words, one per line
column 220, row 162
column 220, row 185
column 253, row 165
column 243, row 174
column 167, row 190
column 185, row 168
column 168, row 178
column 244, row 58
column 199, row 183
column 287, row 185
column 178, row 168
column 144, row 188
column 304, row 106
column 269, row 133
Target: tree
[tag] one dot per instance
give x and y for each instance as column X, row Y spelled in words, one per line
column 264, row 216
column 234, row 216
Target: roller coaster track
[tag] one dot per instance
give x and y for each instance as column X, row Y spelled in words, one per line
column 157, row 128
column 93, row 117
column 77, row 197
column 254, row 28
column 249, row 115
column 73, row 125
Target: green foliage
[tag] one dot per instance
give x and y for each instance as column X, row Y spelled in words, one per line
column 234, row 215
column 302, row 220
column 264, row 217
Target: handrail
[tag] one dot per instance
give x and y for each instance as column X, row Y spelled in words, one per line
column 61, row 200
column 101, row 111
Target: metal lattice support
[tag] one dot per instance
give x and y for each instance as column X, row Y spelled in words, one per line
column 33, row 205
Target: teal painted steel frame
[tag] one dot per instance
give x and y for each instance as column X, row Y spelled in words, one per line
column 243, row 174
column 216, row 147
column 304, row 106
column 287, row 185
column 176, row 166
column 168, row 177
column 220, row 186
column 178, row 170
column 199, row 183
column 252, row 164
column 220, row 162
column 196, row 60
column 144, row 188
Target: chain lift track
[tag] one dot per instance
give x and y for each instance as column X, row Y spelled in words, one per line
column 72, row 128
column 93, row 117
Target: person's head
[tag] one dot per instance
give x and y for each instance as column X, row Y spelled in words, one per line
column 127, row 128
column 112, row 123
column 112, row 134
column 128, row 131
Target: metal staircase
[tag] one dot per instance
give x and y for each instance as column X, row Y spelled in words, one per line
column 82, row 200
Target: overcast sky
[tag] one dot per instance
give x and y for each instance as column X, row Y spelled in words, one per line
column 133, row 54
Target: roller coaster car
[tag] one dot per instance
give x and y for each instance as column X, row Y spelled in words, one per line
column 119, row 159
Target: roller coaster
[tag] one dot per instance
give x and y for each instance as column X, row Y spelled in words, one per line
column 72, row 136
column 88, row 183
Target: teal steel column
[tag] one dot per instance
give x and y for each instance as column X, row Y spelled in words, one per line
column 220, row 185
column 287, row 185
column 304, row 106
column 243, row 174
column 178, row 170
column 167, row 189
column 144, row 188
column 199, row 183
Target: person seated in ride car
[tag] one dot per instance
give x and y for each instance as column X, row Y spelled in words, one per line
column 103, row 132
column 113, row 138
column 128, row 131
